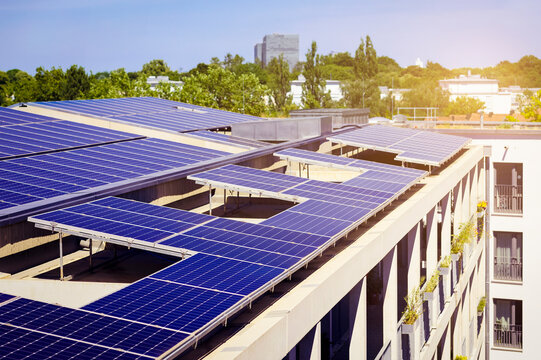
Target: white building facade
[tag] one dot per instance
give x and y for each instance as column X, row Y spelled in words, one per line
column 331, row 86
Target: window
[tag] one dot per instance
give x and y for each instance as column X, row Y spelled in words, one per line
column 508, row 323
column 508, row 256
column 508, row 188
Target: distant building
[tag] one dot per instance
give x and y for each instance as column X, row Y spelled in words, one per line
column 276, row 44
column 153, row 81
column 419, row 63
column 332, row 86
column 486, row 90
column 258, row 52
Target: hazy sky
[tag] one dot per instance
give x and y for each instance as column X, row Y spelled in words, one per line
column 108, row 34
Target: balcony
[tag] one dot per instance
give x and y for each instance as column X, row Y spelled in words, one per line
column 509, row 336
column 508, row 199
column 507, row 268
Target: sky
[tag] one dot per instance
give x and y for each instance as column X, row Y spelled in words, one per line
column 103, row 35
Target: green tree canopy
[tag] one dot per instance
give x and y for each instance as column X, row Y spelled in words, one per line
column 77, row 83
column 313, row 89
column 532, row 109
column 156, row 67
column 463, row 105
column 279, row 82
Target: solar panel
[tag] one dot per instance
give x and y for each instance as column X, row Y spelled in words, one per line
column 231, row 251
column 96, row 329
column 17, row 343
column 416, row 146
column 169, row 305
column 15, row 117
column 5, row 297
column 213, row 272
column 308, row 223
column 330, row 211
column 152, row 112
column 310, row 157
column 293, row 236
column 38, row 177
column 227, row 139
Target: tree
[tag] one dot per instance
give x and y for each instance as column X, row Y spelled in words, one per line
column 4, row 89
column 77, row 83
column 425, row 95
column 24, row 87
column 464, row 105
column 50, row 84
column 361, row 94
column 313, row 89
column 366, row 61
column 156, row 67
column 221, row 89
column 279, row 81
column 532, row 109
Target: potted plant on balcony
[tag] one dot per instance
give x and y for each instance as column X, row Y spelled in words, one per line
column 445, row 271
column 411, row 326
column 481, row 207
column 431, row 297
column 480, row 310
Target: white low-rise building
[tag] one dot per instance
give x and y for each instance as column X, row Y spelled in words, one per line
column 332, row 86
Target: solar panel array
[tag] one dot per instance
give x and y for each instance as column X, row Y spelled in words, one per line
column 28, row 179
column 152, row 112
column 330, row 208
column 234, row 261
column 227, row 139
column 15, row 117
column 34, row 138
column 414, row 146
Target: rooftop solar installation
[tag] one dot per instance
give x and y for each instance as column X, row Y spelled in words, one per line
column 227, row 139
column 15, row 117
column 415, row 146
column 316, row 158
column 152, row 112
column 28, row 179
column 33, row 138
column 79, row 325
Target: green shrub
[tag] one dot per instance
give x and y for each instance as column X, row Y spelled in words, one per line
column 482, row 304
column 412, row 311
column 445, row 262
column 433, row 282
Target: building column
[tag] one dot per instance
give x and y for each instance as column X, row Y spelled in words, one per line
column 446, row 225
column 390, row 301
column 309, row 347
column 446, row 338
column 457, row 200
column 431, row 242
column 357, row 311
column 414, row 257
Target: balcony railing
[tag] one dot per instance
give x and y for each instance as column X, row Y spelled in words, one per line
column 508, row 336
column 508, row 199
column 507, row 268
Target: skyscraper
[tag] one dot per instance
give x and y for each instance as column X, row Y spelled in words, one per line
column 276, row 44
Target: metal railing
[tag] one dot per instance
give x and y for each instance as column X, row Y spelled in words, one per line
column 508, row 336
column 507, row 268
column 508, row 199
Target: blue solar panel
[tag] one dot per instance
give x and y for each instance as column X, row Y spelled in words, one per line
column 311, row 157
column 17, row 343
column 269, row 232
column 227, row 139
column 92, row 328
column 231, row 251
column 411, row 145
column 308, row 223
column 331, row 211
column 250, row 241
column 48, row 175
column 16, row 117
column 152, row 112
column 18, row 140
column 169, row 305
column 5, row 297
column 219, row 273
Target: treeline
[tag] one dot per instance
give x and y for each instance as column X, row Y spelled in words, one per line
column 235, row 85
